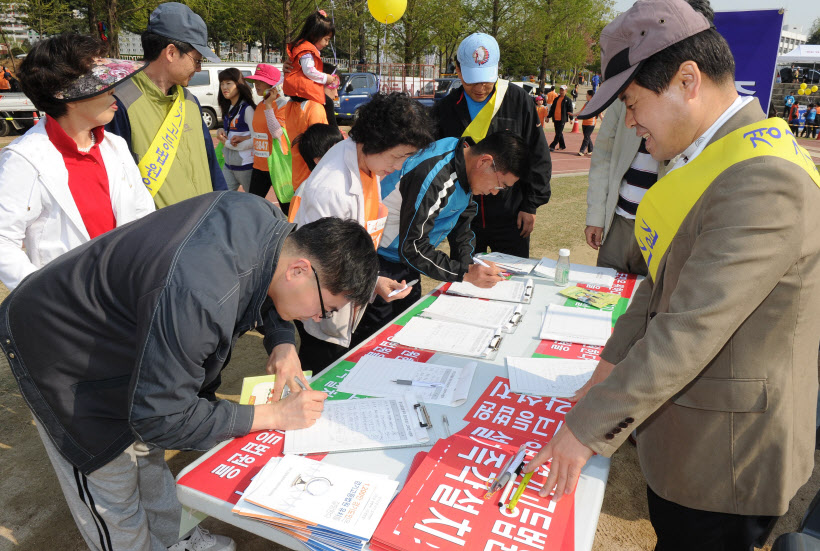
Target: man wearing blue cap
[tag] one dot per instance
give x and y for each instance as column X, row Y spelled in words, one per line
column 161, row 120
column 487, row 104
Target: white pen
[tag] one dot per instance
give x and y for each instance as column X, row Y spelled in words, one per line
column 482, row 263
column 408, row 382
column 403, row 289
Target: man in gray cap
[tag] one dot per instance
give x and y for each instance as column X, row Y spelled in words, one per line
column 161, row 120
column 715, row 361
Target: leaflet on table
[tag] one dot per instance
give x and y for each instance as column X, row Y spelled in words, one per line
column 365, row 424
column 442, row 505
column 581, row 325
column 259, row 389
column 596, row 299
column 592, row 275
column 510, row 290
column 374, row 376
column 474, row 311
column 548, row 376
column 334, row 504
column 449, row 337
column 513, row 264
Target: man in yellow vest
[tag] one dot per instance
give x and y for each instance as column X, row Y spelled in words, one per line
column 715, row 361
column 160, row 119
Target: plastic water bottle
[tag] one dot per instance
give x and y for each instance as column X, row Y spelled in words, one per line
column 562, row 268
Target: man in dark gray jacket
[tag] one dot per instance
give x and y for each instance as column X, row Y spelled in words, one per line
column 113, row 343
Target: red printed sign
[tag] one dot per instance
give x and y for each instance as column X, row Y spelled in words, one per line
column 568, row 350
column 381, row 346
column 442, row 506
column 515, row 419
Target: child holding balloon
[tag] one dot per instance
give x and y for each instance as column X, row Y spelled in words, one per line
column 306, row 80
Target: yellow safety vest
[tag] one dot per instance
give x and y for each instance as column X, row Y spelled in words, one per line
column 666, row 204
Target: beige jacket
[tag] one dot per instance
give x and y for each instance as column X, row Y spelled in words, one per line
column 615, row 149
column 717, row 359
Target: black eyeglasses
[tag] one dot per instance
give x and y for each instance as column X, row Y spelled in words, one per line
column 325, row 314
column 500, row 186
column 197, row 62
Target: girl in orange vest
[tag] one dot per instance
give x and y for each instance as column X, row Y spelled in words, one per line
column 307, row 80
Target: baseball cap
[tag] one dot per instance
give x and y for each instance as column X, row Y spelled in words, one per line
column 103, row 74
column 645, row 29
column 478, row 57
column 563, row 87
column 267, row 74
column 177, row 22
column 539, row 98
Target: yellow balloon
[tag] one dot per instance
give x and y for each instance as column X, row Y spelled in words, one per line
column 803, row 86
column 387, row 11
column 814, row 88
column 800, row 92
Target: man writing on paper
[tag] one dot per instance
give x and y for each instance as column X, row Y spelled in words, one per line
column 430, row 199
column 486, row 104
column 160, row 119
column 715, row 361
column 143, row 318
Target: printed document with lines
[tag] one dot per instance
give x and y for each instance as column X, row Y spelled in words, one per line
column 581, row 325
column 368, row 423
column 509, row 290
column 446, row 336
column 513, row 264
column 555, row 377
column 373, row 376
column 590, row 275
column 474, row 311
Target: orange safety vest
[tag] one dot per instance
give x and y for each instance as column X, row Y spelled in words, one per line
column 375, row 213
column 262, row 138
column 296, row 82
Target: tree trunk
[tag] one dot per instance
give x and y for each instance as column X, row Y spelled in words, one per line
column 286, row 16
column 496, row 17
column 91, row 14
column 542, row 71
column 362, row 41
column 113, row 29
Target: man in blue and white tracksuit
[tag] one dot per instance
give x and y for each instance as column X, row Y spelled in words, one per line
column 430, row 199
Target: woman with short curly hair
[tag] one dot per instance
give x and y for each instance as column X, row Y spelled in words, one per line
column 346, row 183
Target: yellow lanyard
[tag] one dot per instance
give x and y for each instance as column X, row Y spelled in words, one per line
column 480, row 125
column 157, row 161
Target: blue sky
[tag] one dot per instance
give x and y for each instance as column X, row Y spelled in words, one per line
column 798, row 12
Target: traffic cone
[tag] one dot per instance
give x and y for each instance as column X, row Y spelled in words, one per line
column 35, row 117
column 576, row 128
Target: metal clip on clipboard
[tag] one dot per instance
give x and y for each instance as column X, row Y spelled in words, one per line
column 528, row 291
column 423, row 416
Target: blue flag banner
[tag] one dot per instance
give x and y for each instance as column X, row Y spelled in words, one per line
column 754, row 38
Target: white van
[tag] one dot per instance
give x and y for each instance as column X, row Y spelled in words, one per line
column 205, row 86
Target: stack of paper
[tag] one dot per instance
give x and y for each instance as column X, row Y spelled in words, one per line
column 474, row 311
column 596, row 299
column 581, row 325
column 374, row 376
column 366, row 424
column 513, row 264
column 449, row 337
column 555, row 377
column 328, row 508
column 591, row 275
column 508, row 290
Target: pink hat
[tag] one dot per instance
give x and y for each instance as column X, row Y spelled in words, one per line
column 267, row 74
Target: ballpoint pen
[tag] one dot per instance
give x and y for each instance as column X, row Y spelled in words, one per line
column 509, row 486
column 482, row 263
column 286, row 390
column 425, row 384
column 446, row 423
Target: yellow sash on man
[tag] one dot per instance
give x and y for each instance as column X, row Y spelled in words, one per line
column 157, row 161
column 479, row 126
column 666, row 204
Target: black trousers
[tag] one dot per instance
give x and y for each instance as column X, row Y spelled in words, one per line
column 316, row 354
column 260, row 185
column 379, row 312
column 501, row 238
column 586, row 145
column 680, row 528
column 559, row 136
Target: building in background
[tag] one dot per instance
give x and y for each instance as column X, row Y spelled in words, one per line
column 791, row 37
column 15, row 32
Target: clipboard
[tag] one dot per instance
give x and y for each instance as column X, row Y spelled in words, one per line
column 476, row 311
column 364, row 424
column 512, row 290
column 448, row 337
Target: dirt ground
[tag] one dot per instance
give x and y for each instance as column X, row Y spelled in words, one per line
column 33, row 514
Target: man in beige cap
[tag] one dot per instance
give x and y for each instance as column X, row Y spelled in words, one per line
column 715, row 360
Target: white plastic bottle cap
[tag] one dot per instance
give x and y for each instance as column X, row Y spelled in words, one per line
column 563, row 252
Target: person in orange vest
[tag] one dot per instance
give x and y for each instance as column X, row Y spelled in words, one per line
column 543, row 112
column 587, row 126
column 307, row 80
column 347, row 183
column 4, row 81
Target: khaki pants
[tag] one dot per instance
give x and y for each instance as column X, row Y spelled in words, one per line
column 620, row 248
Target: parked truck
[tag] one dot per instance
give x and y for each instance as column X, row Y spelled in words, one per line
column 17, row 113
column 356, row 89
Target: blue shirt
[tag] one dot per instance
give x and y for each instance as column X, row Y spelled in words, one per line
column 811, row 115
column 473, row 106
